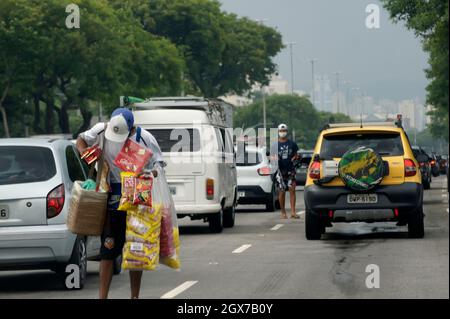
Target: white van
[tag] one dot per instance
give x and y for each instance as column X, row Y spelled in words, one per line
column 195, row 136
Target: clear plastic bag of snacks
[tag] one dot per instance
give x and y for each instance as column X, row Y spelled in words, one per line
column 142, row 246
column 169, row 254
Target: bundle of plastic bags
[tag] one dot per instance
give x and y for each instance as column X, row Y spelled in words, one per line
column 169, row 254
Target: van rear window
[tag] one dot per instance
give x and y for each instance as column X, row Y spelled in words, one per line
column 177, row 140
column 335, row 146
column 26, row 164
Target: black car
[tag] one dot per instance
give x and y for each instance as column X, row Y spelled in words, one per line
column 434, row 162
column 425, row 166
column 302, row 166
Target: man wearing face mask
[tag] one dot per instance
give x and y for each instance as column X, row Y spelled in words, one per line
column 285, row 152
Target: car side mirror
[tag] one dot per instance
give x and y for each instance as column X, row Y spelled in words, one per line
column 268, row 154
column 422, row 158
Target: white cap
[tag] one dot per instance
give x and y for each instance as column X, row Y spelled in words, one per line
column 282, row 127
column 117, row 130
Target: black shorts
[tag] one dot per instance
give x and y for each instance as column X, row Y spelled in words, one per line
column 113, row 237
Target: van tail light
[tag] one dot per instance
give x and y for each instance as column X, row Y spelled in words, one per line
column 314, row 170
column 55, row 201
column 410, row 168
column 209, row 188
column 264, row 171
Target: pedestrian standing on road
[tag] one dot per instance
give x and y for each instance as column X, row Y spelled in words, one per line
column 119, row 129
column 284, row 153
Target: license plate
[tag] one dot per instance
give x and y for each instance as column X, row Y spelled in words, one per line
column 173, row 190
column 241, row 194
column 4, row 212
column 362, row 198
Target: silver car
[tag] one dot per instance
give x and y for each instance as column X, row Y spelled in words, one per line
column 36, row 180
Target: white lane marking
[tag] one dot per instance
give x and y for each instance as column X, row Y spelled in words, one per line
column 175, row 292
column 241, row 249
column 447, row 210
column 443, row 190
column 301, row 212
column 276, row 227
column 444, row 195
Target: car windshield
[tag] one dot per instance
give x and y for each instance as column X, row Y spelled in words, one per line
column 335, row 146
column 26, row 164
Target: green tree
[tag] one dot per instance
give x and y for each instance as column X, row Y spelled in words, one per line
column 223, row 53
column 295, row 111
column 429, row 21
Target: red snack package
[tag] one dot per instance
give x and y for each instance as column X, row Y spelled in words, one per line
column 91, row 154
column 166, row 244
column 132, row 157
column 143, row 190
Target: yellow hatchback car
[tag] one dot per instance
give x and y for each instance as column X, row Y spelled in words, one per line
column 363, row 173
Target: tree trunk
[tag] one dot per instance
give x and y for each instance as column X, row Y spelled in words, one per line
column 64, row 117
column 87, row 116
column 37, row 115
column 49, row 117
column 3, row 112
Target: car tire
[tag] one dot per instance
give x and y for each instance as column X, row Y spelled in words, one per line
column 79, row 258
column 313, row 227
column 427, row 184
column 117, row 267
column 229, row 216
column 416, row 227
column 216, row 222
column 271, row 201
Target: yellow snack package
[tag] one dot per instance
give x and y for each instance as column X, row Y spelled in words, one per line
column 128, row 182
column 141, row 249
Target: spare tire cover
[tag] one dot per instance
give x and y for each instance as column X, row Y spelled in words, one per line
column 361, row 169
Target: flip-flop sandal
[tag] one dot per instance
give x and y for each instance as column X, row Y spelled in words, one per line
column 295, row 217
column 284, row 217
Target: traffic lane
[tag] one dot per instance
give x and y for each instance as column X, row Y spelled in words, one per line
column 282, row 264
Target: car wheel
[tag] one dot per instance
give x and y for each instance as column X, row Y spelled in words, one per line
column 216, row 222
column 427, row 184
column 78, row 258
column 117, row 265
column 313, row 227
column 229, row 216
column 271, row 201
column 416, row 227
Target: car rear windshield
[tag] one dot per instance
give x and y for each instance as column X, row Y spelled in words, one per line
column 26, row 164
column 335, row 146
column 248, row 158
column 177, row 140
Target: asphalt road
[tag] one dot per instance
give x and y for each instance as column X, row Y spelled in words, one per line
column 266, row 257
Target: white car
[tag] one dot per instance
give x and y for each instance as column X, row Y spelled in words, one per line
column 36, row 179
column 197, row 145
column 255, row 178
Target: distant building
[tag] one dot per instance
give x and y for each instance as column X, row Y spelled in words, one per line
column 277, row 86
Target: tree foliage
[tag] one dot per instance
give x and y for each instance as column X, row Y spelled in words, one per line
column 429, row 21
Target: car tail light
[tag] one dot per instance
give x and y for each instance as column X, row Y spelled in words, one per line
column 422, row 164
column 55, row 201
column 314, row 170
column 433, row 162
column 264, row 171
column 209, row 188
column 396, row 213
column 410, row 168
column 330, row 213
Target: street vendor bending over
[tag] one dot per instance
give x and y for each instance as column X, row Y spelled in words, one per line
column 118, row 130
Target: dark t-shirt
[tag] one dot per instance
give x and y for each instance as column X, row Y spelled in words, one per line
column 286, row 151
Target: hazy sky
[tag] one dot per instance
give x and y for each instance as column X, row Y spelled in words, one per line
column 385, row 63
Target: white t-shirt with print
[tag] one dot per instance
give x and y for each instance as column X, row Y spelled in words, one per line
column 92, row 137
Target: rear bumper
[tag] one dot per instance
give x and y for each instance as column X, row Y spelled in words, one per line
column 197, row 209
column 405, row 197
column 35, row 245
column 253, row 195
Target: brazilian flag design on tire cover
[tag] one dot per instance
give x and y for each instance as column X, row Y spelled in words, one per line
column 361, row 169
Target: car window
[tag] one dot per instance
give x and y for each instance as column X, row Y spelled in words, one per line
column 177, row 140
column 75, row 170
column 248, row 158
column 335, row 146
column 26, row 164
